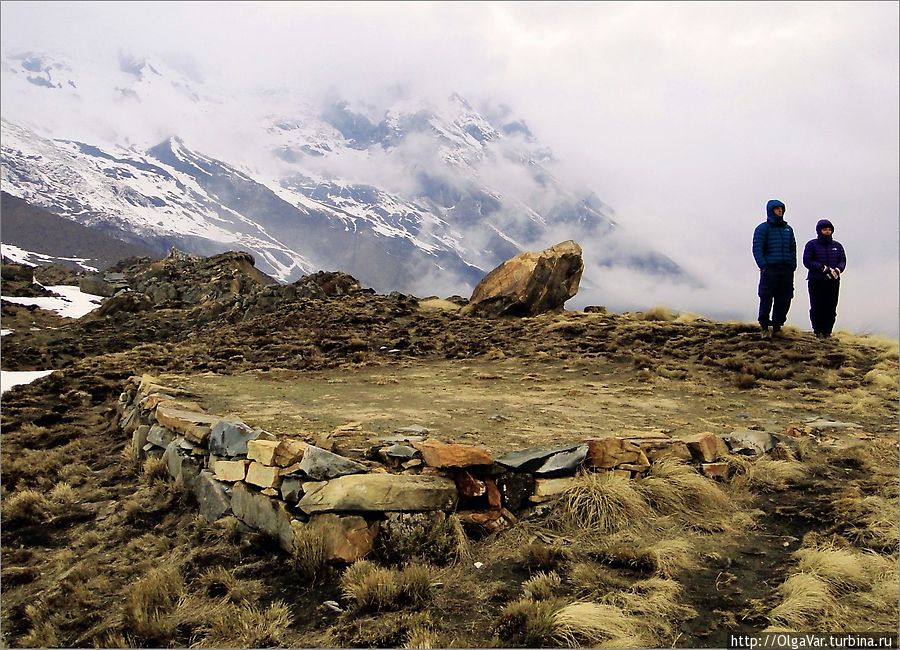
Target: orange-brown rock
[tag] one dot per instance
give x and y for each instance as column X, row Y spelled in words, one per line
column 715, row 470
column 348, row 538
column 495, row 499
column 704, row 447
column 193, row 426
column 468, row 486
column 530, row 283
column 607, row 453
column 441, row 454
column 288, row 452
column 657, row 450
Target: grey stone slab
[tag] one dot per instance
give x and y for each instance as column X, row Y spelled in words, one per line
column 263, row 513
column 321, row 465
column 213, row 497
column 183, row 469
column 748, row 441
column 291, row 489
column 160, row 436
column 229, row 438
column 565, row 462
column 527, row 460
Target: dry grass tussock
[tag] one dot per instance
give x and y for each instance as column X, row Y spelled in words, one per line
column 26, row 506
column 645, row 615
column 604, row 503
column 769, row 475
column 371, row 587
column 838, row 588
column 675, row 489
column 159, row 610
column 542, row 586
column 647, row 524
column 310, row 553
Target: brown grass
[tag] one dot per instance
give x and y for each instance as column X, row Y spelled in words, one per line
column 542, row 586
column 371, row 587
column 310, row 553
column 838, row 587
column 150, row 601
column 590, row 624
column 154, row 469
column 602, row 502
column 26, row 506
column 220, row 582
column 770, row 475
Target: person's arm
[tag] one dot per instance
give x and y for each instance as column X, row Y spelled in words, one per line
column 793, row 251
column 809, row 257
column 759, row 245
column 842, row 262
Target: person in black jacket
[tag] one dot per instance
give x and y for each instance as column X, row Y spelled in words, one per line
column 826, row 261
column 775, row 252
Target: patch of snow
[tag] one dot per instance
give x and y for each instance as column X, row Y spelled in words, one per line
column 5, row 332
column 72, row 303
column 10, row 378
column 29, row 258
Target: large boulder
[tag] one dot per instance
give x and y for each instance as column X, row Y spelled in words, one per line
column 530, row 283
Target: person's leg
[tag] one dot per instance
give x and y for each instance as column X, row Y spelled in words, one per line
column 783, row 293
column 765, row 299
column 815, row 305
column 829, row 306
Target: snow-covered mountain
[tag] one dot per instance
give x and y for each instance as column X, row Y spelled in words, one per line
column 405, row 196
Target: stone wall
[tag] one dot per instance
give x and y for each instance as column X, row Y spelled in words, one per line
column 285, row 486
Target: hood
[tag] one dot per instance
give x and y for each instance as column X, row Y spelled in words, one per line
column 771, row 216
column 822, row 224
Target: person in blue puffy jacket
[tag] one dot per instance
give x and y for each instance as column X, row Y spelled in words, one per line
column 775, row 252
column 826, row 261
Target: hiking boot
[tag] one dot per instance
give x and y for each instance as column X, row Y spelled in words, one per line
column 777, row 333
column 819, row 335
column 765, row 333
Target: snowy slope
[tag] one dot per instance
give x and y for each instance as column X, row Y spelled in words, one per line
column 392, row 194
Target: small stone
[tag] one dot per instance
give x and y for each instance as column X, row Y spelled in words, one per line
column 291, row 489
column 550, row 488
column 262, row 451
column 717, row 471
column 413, row 430
column 230, row 470
column 320, row 464
column 160, row 436
column 212, row 497
column 289, row 452
column 703, row 447
column 440, row 454
column 263, row 476
column 607, row 453
column 229, row 438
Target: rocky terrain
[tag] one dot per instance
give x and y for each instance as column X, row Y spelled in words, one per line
column 100, row 551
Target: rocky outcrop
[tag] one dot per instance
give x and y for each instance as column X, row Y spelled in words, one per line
column 530, row 283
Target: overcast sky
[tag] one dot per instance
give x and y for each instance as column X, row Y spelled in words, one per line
column 684, row 117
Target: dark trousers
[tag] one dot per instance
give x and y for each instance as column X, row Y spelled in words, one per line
column 776, row 289
column 823, row 300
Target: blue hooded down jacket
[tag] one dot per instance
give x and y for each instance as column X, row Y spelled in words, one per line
column 774, row 246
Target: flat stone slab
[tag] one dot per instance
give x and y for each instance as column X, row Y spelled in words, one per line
column 229, row 438
column 565, row 462
column 380, row 493
column 823, row 424
column 263, row 513
column 441, row 454
column 321, row 465
column 193, row 426
column 748, row 441
column 527, row 460
column 212, row 496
